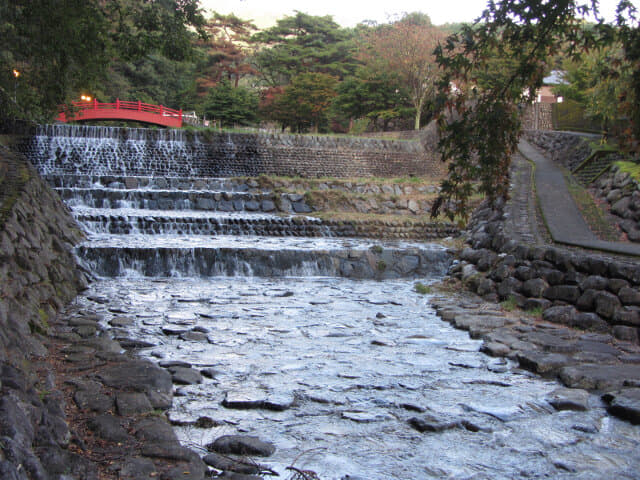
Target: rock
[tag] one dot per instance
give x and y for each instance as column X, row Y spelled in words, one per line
column 542, row 363
column 629, row 296
column 565, row 293
column 429, row 423
column 534, row 287
column 569, row 399
column 594, row 282
column 564, row 315
column 93, row 399
column 244, row 399
column 627, row 316
column 600, row 377
column 132, row 403
column 225, row 463
column 255, row 399
column 108, row 427
column 536, row 303
column 495, row 349
column 193, row 336
column 589, row 321
column 185, row 376
column 362, row 417
column 241, row 445
column 137, row 376
column 210, row 372
column 624, row 404
column 587, row 300
column 134, row 468
column 624, row 333
column 606, row 304
column 121, row 321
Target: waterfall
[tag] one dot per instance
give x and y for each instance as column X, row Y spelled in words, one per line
column 150, row 207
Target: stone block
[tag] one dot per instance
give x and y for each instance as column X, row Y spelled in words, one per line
column 534, row 287
column 606, row 304
column 565, row 293
column 627, row 334
column 629, row 296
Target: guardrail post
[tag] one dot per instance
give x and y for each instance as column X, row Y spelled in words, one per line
column 161, row 110
column 139, row 105
column 95, row 103
column 117, row 104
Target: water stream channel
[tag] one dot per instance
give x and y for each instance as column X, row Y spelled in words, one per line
column 321, row 346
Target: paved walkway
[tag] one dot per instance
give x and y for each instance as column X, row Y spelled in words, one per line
column 562, row 217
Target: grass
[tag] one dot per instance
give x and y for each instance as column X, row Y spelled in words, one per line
column 594, row 215
column 509, row 304
column 422, row 289
column 632, row 168
column 372, row 217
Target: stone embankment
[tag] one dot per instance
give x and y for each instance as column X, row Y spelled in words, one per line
column 622, row 194
column 589, row 305
column 56, row 369
column 566, row 149
column 70, row 149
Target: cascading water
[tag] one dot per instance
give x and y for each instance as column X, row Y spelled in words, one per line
column 328, row 368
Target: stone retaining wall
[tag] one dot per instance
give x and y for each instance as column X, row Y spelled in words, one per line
column 578, row 289
column 567, row 149
column 54, row 360
column 70, row 149
column 538, row 116
column 38, row 276
column 622, row 194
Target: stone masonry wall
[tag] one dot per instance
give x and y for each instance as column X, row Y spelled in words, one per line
column 38, row 276
column 70, row 149
column 622, row 195
column 574, row 288
column 538, row 116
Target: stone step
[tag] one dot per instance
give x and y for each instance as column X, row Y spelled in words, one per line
column 150, row 182
column 154, row 261
column 169, row 200
column 589, row 170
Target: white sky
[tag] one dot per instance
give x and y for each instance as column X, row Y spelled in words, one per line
column 348, row 13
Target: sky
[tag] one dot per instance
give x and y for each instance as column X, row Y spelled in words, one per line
column 349, row 13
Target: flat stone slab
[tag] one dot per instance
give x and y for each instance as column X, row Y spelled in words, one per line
column 256, row 399
column 133, row 403
column 429, row 423
column 241, row 445
column 624, row 404
column 138, row 376
column 108, row 427
column 222, row 462
column 185, row 376
column 600, row 377
column 541, row 362
column 569, row 399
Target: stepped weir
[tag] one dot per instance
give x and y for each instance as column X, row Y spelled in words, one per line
column 275, row 324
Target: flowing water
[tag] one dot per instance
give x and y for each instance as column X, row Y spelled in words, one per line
column 301, row 346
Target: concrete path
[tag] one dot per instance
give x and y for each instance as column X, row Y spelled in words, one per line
column 564, row 220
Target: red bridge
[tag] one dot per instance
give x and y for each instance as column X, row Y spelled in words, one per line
column 136, row 111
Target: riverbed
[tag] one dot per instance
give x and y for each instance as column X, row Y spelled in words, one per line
column 340, row 375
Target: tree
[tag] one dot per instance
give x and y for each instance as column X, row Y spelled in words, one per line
column 406, row 48
column 62, row 48
column 226, row 50
column 231, row 105
column 304, row 104
column 301, row 44
column 372, row 94
column 480, row 126
column 597, row 80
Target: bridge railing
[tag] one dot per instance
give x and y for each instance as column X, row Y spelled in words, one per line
column 76, row 109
